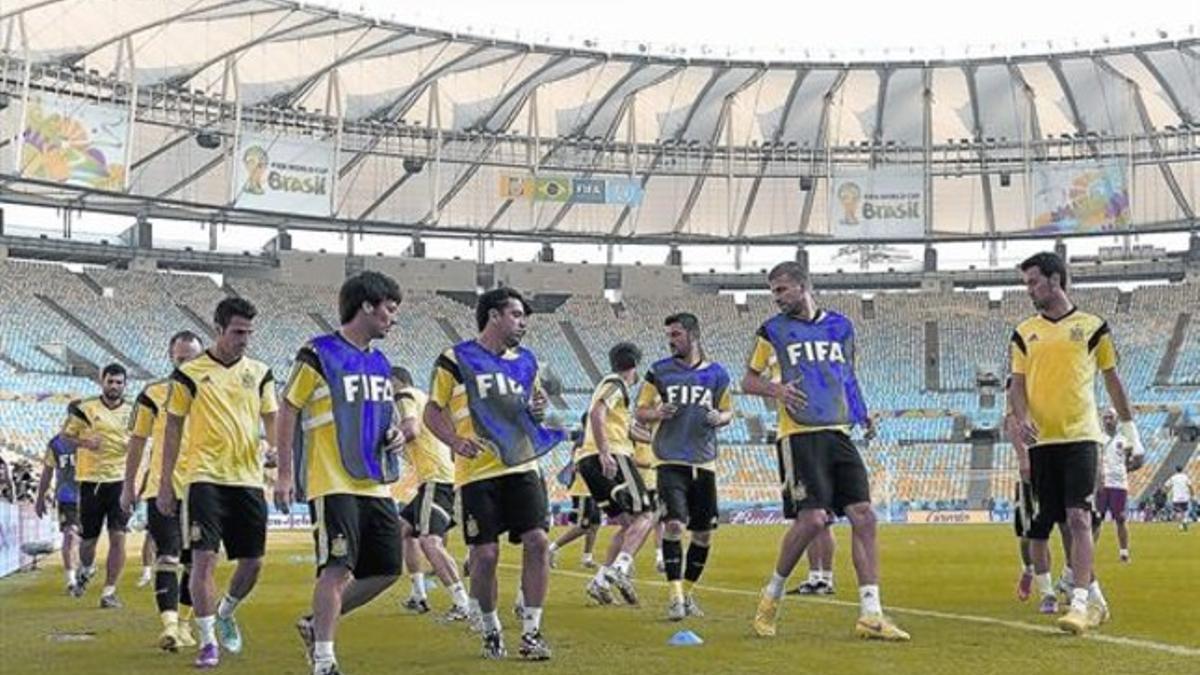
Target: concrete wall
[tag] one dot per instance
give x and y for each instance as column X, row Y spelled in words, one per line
column 425, row 275
column 534, row 277
column 652, row 280
column 312, row 269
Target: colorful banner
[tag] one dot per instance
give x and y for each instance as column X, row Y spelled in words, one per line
column 69, row 141
column 877, row 204
column 1080, row 197
column 576, row 190
column 273, row 172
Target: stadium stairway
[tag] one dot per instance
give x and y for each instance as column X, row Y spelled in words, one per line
column 17, row 367
column 322, row 322
column 1179, row 456
column 979, row 487
column 581, row 352
column 933, row 350
column 1167, row 366
column 449, row 329
column 137, row 370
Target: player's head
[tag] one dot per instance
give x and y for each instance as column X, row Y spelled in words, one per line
column 791, row 287
column 1045, row 277
column 372, row 299
column 401, row 378
column 683, row 334
column 624, row 357
column 505, row 312
column 235, row 324
column 1110, row 421
column 183, row 347
column 112, row 382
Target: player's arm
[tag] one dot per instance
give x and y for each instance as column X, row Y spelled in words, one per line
column 410, row 416
column 855, row 400
column 1105, row 351
column 597, row 417
column 141, row 426
column 538, row 401
column 757, row 380
column 180, row 395
column 1023, row 425
column 75, row 429
column 268, row 407
column 301, row 385
column 650, row 405
column 446, row 378
column 721, row 415
column 49, row 463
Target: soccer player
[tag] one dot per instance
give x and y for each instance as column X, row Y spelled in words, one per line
column 1180, row 486
column 819, row 401
column 221, row 397
column 486, row 404
column 605, row 461
column 59, row 464
column 149, row 423
column 97, row 428
column 430, row 514
column 688, row 398
column 1116, row 461
column 1055, row 355
column 340, row 396
column 584, row 517
column 820, row 557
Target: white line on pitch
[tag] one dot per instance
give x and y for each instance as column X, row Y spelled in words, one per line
column 1178, row 650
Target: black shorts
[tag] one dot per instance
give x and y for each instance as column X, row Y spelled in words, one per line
column 431, row 511
column 359, row 533
column 100, row 506
column 653, row 505
column 68, row 516
column 623, row 493
column 164, row 530
column 231, row 515
column 514, row 503
column 821, row 470
column 584, row 512
column 688, row 494
column 1063, row 477
column 1023, row 511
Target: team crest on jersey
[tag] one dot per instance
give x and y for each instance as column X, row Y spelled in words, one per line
column 1076, row 334
column 195, row 535
column 339, row 548
column 472, row 527
column 247, row 379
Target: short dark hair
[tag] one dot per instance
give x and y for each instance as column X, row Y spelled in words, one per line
column 791, row 269
column 113, row 369
column 368, row 286
column 401, row 373
column 686, row 319
column 231, row 307
column 184, row 336
column 496, row 299
column 1048, row 263
column 623, row 356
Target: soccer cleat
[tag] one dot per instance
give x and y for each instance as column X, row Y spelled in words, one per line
column 308, row 635
column 824, row 588
column 168, row 639
column 81, row 583
column 455, row 614
column 623, row 584
column 600, row 593
column 72, row 590
column 879, row 627
column 588, row 564
column 1123, row 557
column 1097, row 614
column 416, row 605
column 1049, row 605
column 660, row 565
column 692, row 608
column 144, row 580
column 229, row 635
column 208, row 656
column 1075, row 621
column 474, row 621
column 766, row 616
column 184, row 633
column 493, row 646
column 806, row 588
column 110, row 601
column 534, row 647
column 676, row 611
column 1025, row 586
column 327, row 668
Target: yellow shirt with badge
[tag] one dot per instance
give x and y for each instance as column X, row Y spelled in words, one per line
column 1059, row 360
column 614, row 395
column 92, row 417
column 223, row 404
column 765, row 363
column 648, row 397
column 307, row 390
column 149, row 421
column 450, row 393
column 430, row 458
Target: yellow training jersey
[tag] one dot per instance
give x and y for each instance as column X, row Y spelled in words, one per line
column 578, row 487
column 643, row 455
column 223, row 404
column 308, row 391
column 614, row 395
column 429, row 457
column 149, row 421
column 92, row 417
column 764, row 363
column 450, row 393
column 1059, row 360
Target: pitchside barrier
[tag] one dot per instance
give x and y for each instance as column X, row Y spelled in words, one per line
column 19, row 525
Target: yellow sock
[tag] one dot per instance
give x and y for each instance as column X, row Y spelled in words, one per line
column 677, row 589
column 185, row 613
column 688, row 586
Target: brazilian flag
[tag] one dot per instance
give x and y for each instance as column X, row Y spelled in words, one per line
column 552, row 190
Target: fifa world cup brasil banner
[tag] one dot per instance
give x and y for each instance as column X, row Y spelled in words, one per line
column 69, row 141
column 877, row 204
column 1080, row 197
column 625, row 191
column 273, row 172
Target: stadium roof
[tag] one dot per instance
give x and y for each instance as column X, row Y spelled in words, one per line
column 485, row 109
